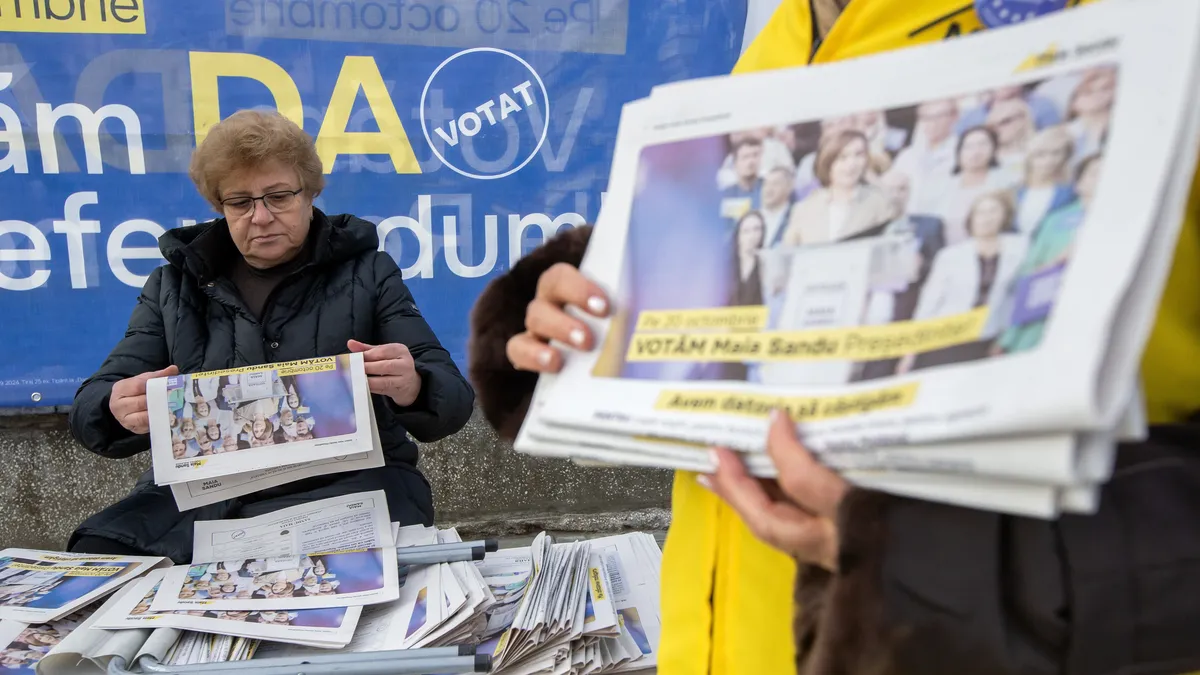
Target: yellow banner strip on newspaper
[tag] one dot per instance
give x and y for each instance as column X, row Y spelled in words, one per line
column 70, row 570
column 753, row 318
column 863, row 343
column 301, row 367
column 66, row 558
column 597, row 587
column 800, row 408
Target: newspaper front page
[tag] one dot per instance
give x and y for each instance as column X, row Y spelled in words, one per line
column 335, row 552
column 852, row 313
column 214, row 424
column 42, row 586
column 330, row 628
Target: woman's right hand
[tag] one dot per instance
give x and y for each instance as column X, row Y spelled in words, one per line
column 546, row 319
column 127, row 402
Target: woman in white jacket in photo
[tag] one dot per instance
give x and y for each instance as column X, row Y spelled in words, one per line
column 974, row 273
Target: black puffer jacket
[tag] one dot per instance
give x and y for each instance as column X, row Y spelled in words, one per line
column 190, row 315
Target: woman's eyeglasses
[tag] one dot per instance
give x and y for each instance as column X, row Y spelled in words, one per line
column 276, row 202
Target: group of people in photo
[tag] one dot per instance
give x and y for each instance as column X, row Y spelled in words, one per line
column 34, row 580
column 262, row 579
column 988, row 191
column 215, row 415
column 22, row 655
column 277, row 617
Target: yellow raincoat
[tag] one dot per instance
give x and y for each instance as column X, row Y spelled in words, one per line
column 726, row 597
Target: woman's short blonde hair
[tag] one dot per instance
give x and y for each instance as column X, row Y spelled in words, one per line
column 1002, row 197
column 1057, row 139
column 245, row 141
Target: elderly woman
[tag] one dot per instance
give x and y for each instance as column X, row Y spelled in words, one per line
column 274, row 279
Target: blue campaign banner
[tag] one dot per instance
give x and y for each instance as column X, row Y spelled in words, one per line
column 468, row 130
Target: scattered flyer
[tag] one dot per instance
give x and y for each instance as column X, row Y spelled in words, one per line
column 330, row 628
column 220, row 423
column 41, row 586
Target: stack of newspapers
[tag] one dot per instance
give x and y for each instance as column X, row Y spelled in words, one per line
column 300, row 575
column 584, row 607
column 223, row 434
column 335, row 578
column 943, row 262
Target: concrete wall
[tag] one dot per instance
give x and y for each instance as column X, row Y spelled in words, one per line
column 49, row 484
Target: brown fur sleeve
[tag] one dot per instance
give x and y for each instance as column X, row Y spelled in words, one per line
column 839, row 623
column 503, row 391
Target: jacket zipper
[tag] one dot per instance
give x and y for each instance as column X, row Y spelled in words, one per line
column 269, row 303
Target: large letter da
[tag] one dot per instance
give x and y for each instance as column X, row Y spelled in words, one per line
column 208, row 67
column 361, row 72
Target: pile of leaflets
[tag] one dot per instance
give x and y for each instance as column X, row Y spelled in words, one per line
column 943, row 262
column 329, row 577
column 585, row 607
column 222, row 434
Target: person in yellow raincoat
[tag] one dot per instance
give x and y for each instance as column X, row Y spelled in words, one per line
column 888, row 584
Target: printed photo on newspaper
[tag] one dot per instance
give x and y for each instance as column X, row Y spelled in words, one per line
column 334, row 552
column 308, row 581
column 23, row 645
column 42, row 586
column 873, row 254
column 197, row 493
column 214, row 424
column 330, row 627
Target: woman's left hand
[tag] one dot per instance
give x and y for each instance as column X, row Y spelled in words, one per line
column 796, row 513
column 391, row 371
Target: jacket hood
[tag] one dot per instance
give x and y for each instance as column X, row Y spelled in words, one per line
column 205, row 249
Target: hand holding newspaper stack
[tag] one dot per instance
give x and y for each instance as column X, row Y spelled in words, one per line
column 956, row 317
column 222, row 434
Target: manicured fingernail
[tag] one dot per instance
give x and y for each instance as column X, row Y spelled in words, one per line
column 577, row 337
column 715, row 459
column 597, row 305
column 545, row 357
column 704, row 481
column 775, row 414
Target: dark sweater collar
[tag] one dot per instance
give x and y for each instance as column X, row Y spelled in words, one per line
column 206, row 250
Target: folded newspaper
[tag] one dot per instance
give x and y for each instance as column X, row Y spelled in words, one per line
column 222, row 434
column 943, row 262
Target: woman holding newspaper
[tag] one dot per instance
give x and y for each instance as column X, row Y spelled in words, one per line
column 274, row 279
column 888, row 584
